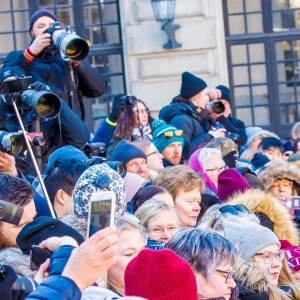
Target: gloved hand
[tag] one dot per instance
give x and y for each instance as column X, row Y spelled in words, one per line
column 230, row 159
column 118, row 106
column 39, row 86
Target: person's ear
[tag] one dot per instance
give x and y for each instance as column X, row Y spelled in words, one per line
column 60, row 197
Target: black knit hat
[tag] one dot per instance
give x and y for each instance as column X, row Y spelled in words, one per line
column 40, row 13
column 125, row 152
column 225, row 92
column 191, row 85
column 42, row 228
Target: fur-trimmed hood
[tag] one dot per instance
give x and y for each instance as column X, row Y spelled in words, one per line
column 279, row 169
column 251, row 281
column 259, row 201
column 78, row 224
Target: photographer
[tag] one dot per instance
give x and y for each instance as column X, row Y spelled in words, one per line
column 65, row 129
column 42, row 60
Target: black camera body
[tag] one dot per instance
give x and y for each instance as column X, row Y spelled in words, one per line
column 10, row 213
column 129, row 100
column 71, row 45
column 234, row 136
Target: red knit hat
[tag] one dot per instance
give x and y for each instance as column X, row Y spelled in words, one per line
column 160, row 275
column 230, row 181
column 292, row 254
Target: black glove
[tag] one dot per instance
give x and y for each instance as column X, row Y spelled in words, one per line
column 230, row 159
column 118, row 106
column 39, row 86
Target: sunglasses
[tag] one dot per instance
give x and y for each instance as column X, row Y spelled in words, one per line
column 234, row 209
column 170, row 134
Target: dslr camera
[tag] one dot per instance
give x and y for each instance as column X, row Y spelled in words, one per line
column 71, row 45
column 129, row 100
column 234, row 136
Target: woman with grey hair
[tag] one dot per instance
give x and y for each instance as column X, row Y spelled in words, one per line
column 212, row 258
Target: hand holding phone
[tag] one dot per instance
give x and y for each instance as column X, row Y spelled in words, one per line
column 38, row 256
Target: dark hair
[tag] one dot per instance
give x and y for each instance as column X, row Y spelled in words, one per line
column 125, row 125
column 295, row 145
column 145, row 193
column 15, row 190
column 270, row 142
column 63, row 175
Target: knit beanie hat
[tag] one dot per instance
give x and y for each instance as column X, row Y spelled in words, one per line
column 126, row 151
column 292, row 254
column 191, row 85
column 98, row 178
column 258, row 134
column 43, row 228
column 259, row 160
column 247, row 236
column 225, row 92
column 160, row 275
column 69, row 152
column 230, row 181
column 251, row 177
column 159, row 139
column 40, row 13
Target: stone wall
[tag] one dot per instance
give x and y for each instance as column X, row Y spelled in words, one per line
column 154, row 73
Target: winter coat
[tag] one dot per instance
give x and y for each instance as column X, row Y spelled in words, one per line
column 49, row 68
column 254, row 286
column 195, row 128
column 259, row 201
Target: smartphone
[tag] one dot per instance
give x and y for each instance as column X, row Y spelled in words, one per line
column 295, row 202
column 101, row 211
column 38, row 256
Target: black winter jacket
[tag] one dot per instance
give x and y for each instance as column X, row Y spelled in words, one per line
column 185, row 116
column 49, row 68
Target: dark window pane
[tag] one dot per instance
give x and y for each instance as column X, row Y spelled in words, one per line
column 260, row 94
column 240, row 75
column 261, row 116
column 245, row 115
column 242, row 96
column 257, row 52
column 239, row 54
column 283, row 20
column 236, row 25
column 254, row 23
column 258, row 73
column 235, row 6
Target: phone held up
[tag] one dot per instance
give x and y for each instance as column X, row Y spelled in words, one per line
column 38, row 256
column 101, row 211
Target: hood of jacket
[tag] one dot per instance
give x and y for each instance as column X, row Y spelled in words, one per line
column 251, row 280
column 78, row 224
column 279, row 169
column 259, row 201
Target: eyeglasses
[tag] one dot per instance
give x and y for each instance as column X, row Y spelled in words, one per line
column 234, row 209
column 170, row 134
column 216, row 172
column 228, row 276
column 157, row 232
column 268, row 257
column 154, row 152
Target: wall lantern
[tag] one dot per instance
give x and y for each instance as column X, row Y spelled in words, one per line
column 164, row 11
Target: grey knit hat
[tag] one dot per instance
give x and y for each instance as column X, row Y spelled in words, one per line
column 98, row 178
column 247, row 237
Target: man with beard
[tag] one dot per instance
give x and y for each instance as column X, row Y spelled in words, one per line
column 16, row 191
column 42, row 60
column 169, row 142
column 187, row 112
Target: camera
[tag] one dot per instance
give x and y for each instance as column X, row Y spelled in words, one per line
column 129, row 100
column 71, row 45
column 37, row 139
column 38, row 103
column 12, row 143
column 215, row 106
column 95, row 149
column 21, row 287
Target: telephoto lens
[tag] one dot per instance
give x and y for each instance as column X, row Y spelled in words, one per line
column 12, row 143
column 215, row 106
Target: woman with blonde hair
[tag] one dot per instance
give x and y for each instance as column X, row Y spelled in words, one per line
column 160, row 220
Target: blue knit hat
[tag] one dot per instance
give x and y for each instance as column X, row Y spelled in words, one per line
column 125, row 152
column 159, row 139
column 40, row 13
column 225, row 92
column 191, row 85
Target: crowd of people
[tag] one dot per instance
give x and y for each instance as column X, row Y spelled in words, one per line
column 206, row 208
